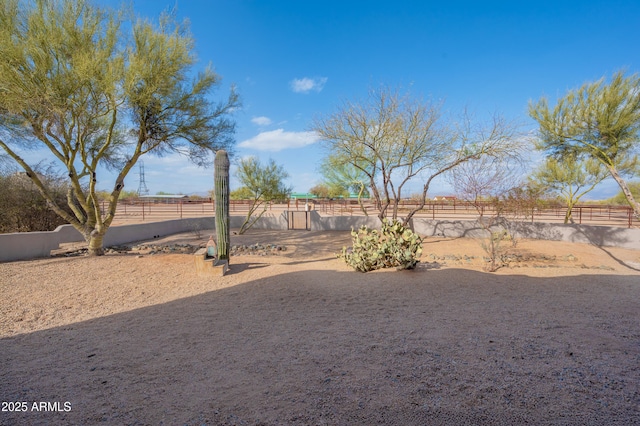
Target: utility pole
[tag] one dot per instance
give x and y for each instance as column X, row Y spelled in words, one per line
column 142, row 186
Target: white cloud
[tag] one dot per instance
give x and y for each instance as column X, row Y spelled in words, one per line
column 261, row 121
column 172, row 173
column 277, row 140
column 306, row 84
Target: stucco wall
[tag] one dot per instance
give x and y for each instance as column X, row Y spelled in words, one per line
column 596, row 235
column 267, row 221
column 143, row 231
column 342, row 223
column 29, row 245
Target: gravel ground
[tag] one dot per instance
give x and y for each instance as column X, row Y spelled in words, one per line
column 297, row 338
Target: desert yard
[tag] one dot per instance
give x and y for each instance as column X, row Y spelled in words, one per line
column 295, row 337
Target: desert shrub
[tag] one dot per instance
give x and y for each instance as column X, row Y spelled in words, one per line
column 23, row 209
column 196, row 230
column 392, row 246
column 494, row 249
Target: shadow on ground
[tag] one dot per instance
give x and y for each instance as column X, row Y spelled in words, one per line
column 327, row 347
column 597, row 235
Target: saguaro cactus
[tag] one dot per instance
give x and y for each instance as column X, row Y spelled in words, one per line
column 221, row 183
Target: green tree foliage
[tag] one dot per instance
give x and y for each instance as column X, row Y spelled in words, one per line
column 242, row 193
column 599, row 120
column 570, row 178
column 265, row 183
column 95, row 91
column 343, row 178
column 621, row 199
column 392, row 139
column 321, row 190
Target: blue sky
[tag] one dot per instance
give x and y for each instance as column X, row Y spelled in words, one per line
column 293, row 60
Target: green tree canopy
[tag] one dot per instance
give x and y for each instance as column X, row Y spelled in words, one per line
column 242, row 193
column 570, row 178
column 620, row 198
column 599, row 120
column 322, row 190
column 343, row 177
column 96, row 90
column 264, row 183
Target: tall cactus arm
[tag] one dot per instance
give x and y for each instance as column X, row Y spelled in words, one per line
column 221, row 182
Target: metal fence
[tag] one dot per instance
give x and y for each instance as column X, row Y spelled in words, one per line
column 606, row 215
column 151, row 211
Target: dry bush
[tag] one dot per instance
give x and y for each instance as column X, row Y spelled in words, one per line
column 22, row 207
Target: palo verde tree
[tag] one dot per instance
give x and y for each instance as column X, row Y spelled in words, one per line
column 322, row 190
column 265, row 183
column 343, row 176
column 99, row 91
column 570, row 178
column 599, row 120
column 392, row 139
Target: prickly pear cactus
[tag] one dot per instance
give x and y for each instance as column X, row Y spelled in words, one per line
column 392, row 246
column 221, row 189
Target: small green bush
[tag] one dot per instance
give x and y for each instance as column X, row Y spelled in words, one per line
column 392, row 246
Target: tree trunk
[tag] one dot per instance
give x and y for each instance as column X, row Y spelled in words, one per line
column 95, row 243
column 360, row 192
column 635, row 205
column 568, row 215
column 248, row 223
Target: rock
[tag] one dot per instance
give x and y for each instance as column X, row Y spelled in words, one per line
column 257, row 250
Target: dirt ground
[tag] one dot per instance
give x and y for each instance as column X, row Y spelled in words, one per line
column 299, row 338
